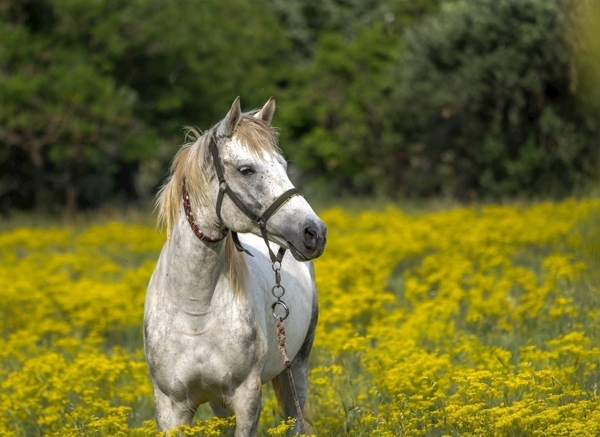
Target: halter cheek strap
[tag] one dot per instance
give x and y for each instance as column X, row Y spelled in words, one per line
column 224, row 189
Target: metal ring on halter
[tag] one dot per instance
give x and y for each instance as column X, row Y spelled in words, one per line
column 275, row 294
column 276, row 268
column 285, row 307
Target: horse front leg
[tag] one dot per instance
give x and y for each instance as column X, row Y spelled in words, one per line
column 246, row 405
column 171, row 414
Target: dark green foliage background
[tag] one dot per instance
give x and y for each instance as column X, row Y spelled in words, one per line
column 468, row 99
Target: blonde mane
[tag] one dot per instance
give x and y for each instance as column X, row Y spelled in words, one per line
column 192, row 163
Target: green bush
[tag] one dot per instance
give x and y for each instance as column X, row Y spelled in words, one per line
column 490, row 88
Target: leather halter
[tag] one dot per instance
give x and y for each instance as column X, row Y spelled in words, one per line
column 190, row 218
column 261, row 220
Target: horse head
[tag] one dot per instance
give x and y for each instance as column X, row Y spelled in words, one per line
column 253, row 179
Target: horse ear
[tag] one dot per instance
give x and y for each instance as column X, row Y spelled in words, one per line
column 267, row 111
column 231, row 120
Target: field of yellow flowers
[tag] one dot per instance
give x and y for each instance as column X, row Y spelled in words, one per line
column 478, row 321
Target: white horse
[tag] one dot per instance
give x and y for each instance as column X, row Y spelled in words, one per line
column 209, row 326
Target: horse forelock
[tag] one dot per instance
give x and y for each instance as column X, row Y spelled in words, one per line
column 191, row 164
column 258, row 136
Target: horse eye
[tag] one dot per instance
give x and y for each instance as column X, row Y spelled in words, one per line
column 245, row 170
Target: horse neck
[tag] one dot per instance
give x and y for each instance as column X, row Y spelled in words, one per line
column 194, row 266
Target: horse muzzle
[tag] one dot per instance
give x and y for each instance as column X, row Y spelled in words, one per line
column 310, row 242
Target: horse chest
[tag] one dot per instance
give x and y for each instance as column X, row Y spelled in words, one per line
column 234, row 338
column 199, row 357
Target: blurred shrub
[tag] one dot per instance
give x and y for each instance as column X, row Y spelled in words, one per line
column 91, row 92
column 338, row 121
column 490, row 90
column 476, row 98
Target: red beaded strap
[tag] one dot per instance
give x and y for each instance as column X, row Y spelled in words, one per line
column 190, row 218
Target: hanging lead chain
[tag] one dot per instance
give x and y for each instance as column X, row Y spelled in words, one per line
column 278, row 291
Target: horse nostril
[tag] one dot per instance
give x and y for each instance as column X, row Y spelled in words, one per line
column 310, row 237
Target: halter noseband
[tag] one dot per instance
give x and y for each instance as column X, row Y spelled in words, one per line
column 224, row 189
